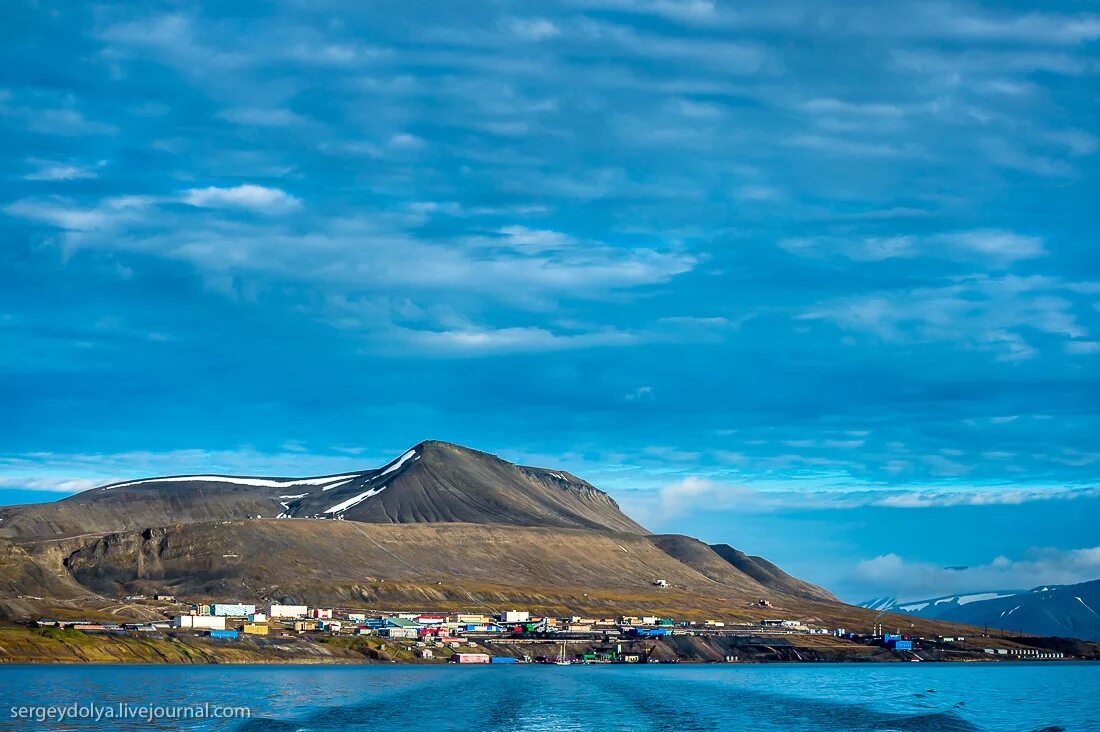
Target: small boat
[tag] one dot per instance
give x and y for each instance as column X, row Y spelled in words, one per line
column 562, row 660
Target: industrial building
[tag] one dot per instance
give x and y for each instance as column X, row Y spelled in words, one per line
column 206, row 622
column 286, row 611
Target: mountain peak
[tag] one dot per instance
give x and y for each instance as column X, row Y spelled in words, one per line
column 431, row 482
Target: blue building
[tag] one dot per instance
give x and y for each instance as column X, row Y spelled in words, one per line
column 231, row 634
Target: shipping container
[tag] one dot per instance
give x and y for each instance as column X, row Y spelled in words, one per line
column 223, row 634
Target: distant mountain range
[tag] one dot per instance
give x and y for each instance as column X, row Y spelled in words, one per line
column 936, row 606
column 1064, row 610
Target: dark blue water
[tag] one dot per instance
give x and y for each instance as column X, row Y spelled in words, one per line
column 990, row 696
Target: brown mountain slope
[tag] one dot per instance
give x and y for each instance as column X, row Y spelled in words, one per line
column 321, row 561
column 769, row 575
column 443, row 567
column 26, row 581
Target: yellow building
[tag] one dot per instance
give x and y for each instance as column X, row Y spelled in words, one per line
column 255, row 628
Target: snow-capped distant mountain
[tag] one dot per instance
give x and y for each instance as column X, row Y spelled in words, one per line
column 934, row 607
column 1064, row 610
column 887, row 603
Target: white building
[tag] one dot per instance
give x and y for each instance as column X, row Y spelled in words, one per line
column 515, row 616
column 399, row 632
column 206, row 622
column 232, row 610
column 287, row 611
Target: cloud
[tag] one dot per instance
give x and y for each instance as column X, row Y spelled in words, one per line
column 63, row 213
column 982, row 313
column 481, row 341
column 72, row 472
column 1014, row 156
column 844, row 147
column 933, row 498
column 63, row 485
column 264, row 117
column 1033, row 27
column 526, row 265
column 890, row 574
column 992, row 245
column 533, row 29
column 696, row 494
column 995, row 245
column 247, row 196
column 52, row 171
column 533, row 241
column 689, row 11
column 1080, row 348
column 731, row 57
column 65, row 122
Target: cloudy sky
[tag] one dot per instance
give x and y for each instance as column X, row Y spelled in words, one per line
column 818, row 282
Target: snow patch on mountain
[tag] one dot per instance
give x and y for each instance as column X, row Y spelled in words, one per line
column 256, row 482
column 398, row 463
column 341, row 507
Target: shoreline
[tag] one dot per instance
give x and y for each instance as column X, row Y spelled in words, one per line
column 22, row 645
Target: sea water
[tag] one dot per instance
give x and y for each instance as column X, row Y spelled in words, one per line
column 900, row 696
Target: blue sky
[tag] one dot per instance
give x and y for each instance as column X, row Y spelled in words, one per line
column 819, row 281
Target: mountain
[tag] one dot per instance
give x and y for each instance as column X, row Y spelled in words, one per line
column 439, row 527
column 432, row 482
column 1062, row 610
column 935, row 607
column 769, row 575
column 1066, row 610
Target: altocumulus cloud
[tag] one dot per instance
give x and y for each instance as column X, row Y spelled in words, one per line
column 695, row 494
column 834, row 240
column 247, row 196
